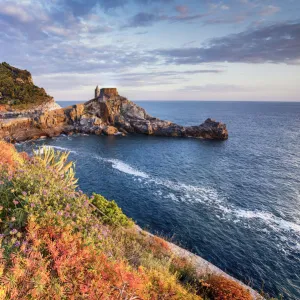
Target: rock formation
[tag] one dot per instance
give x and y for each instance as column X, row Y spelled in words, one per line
column 108, row 113
column 19, row 96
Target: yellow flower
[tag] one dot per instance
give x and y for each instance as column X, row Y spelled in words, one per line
column 2, row 293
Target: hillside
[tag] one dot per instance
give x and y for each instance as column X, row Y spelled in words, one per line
column 58, row 243
column 17, row 90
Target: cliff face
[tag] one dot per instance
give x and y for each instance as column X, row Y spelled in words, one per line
column 27, row 112
column 18, row 93
column 114, row 116
column 130, row 118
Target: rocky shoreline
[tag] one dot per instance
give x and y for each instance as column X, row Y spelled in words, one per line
column 28, row 112
column 203, row 267
column 115, row 116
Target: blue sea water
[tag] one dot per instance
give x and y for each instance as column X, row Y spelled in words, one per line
column 236, row 203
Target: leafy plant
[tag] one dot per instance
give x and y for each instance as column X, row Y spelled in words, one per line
column 110, row 212
column 17, row 89
column 57, row 160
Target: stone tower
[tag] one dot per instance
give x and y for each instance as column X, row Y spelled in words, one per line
column 97, row 92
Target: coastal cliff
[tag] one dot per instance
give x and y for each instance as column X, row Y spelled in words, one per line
column 19, row 96
column 35, row 114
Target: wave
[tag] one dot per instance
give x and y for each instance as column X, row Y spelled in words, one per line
column 61, row 148
column 268, row 218
column 204, row 195
column 125, row 168
column 208, row 196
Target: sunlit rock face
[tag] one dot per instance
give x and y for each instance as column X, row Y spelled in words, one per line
column 23, row 117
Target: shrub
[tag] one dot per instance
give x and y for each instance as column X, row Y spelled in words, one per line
column 219, row 287
column 54, row 262
column 17, row 89
column 110, row 212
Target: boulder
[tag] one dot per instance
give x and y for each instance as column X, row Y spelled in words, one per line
column 110, row 130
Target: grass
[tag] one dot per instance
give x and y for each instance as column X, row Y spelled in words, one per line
column 58, row 243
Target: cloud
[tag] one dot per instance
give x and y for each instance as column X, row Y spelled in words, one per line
column 83, row 7
column 22, row 12
column 171, row 73
column 278, row 43
column 216, row 88
column 15, row 12
column 182, row 9
column 269, row 10
column 143, row 19
column 226, row 20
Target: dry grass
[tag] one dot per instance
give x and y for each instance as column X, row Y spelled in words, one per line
column 222, row 288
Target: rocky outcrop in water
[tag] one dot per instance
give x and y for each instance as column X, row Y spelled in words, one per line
column 114, row 116
column 108, row 113
column 128, row 117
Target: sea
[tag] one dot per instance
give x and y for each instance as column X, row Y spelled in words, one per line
column 235, row 203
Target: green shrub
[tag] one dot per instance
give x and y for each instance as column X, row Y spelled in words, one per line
column 17, row 89
column 110, row 212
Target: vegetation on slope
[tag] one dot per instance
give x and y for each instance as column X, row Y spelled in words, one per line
column 58, row 243
column 17, row 89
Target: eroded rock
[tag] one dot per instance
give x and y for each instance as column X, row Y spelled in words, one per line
column 117, row 115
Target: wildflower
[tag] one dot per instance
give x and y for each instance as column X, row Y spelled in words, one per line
column 15, row 202
column 1, row 207
column 44, row 192
column 13, row 219
column 19, row 234
column 14, row 231
column 1, row 182
column 17, row 244
column 32, row 204
column 24, row 193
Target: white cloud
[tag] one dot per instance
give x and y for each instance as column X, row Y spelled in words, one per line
column 269, row 10
column 15, row 11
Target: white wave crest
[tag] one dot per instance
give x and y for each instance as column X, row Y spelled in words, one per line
column 204, row 195
column 125, row 168
column 62, row 149
column 268, row 218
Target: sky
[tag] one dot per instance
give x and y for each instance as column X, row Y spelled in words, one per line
column 246, row 50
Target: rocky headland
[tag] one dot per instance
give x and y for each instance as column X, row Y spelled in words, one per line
column 108, row 113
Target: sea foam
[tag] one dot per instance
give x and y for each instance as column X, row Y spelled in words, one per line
column 126, row 168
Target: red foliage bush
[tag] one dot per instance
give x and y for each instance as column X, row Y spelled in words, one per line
column 222, row 288
column 56, row 263
column 7, row 155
